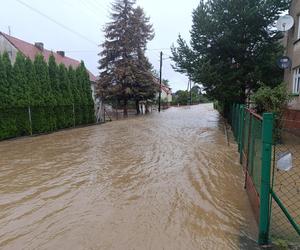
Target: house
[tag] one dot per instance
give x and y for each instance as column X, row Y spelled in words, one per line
column 166, row 92
column 292, row 74
column 14, row 45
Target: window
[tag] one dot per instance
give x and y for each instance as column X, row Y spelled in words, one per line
column 296, row 82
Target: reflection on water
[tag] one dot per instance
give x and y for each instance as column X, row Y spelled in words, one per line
column 164, row 181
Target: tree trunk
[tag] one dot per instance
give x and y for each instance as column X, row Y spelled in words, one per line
column 147, row 108
column 125, row 108
column 137, row 106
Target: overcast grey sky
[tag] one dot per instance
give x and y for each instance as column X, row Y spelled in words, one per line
column 87, row 17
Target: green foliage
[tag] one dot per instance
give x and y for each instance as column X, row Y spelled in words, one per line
column 275, row 100
column 182, row 97
column 125, row 72
column 233, row 47
column 269, row 99
column 8, row 95
column 281, row 244
column 54, row 80
column 48, row 89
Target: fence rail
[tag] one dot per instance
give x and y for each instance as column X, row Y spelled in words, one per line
column 274, row 194
column 21, row 121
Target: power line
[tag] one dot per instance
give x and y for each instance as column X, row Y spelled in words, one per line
column 160, row 49
column 58, row 23
column 90, row 8
column 87, row 51
column 86, row 10
column 97, row 4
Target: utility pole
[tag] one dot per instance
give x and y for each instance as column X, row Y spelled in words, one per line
column 160, row 72
column 9, row 31
column 190, row 91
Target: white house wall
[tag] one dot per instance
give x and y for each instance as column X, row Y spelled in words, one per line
column 5, row 45
column 165, row 96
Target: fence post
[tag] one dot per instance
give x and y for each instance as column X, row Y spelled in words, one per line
column 264, row 220
column 104, row 118
column 241, row 132
column 74, row 121
column 237, row 122
column 232, row 116
column 237, row 126
column 30, row 120
column 234, row 120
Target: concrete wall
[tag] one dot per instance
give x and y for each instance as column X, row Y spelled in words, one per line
column 5, row 45
column 293, row 51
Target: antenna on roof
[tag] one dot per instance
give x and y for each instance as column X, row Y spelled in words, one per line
column 9, row 31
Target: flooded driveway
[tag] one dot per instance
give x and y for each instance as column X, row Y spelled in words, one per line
column 163, row 181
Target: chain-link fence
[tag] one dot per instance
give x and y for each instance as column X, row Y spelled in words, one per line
column 285, row 215
column 274, row 193
column 21, row 121
column 255, row 148
column 247, row 130
column 112, row 113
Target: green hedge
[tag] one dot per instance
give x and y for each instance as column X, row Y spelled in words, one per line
column 52, row 92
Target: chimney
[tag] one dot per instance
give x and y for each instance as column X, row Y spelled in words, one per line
column 39, row 45
column 61, row 53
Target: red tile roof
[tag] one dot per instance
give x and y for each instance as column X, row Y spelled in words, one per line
column 29, row 50
column 165, row 88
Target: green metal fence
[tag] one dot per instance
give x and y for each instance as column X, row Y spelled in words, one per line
column 285, row 186
column 274, row 195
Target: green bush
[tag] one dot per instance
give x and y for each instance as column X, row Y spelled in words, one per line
column 50, row 90
column 269, row 99
column 272, row 100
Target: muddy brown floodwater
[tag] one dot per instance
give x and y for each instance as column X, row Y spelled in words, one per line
column 163, row 181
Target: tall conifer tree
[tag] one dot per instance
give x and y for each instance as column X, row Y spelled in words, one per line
column 123, row 64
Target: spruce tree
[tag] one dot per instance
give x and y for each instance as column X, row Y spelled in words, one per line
column 117, row 58
column 144, row 86
column 125, row 72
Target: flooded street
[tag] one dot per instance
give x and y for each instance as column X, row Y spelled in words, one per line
column 163, row 181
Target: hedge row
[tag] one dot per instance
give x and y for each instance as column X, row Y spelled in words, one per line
column 58, row 97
